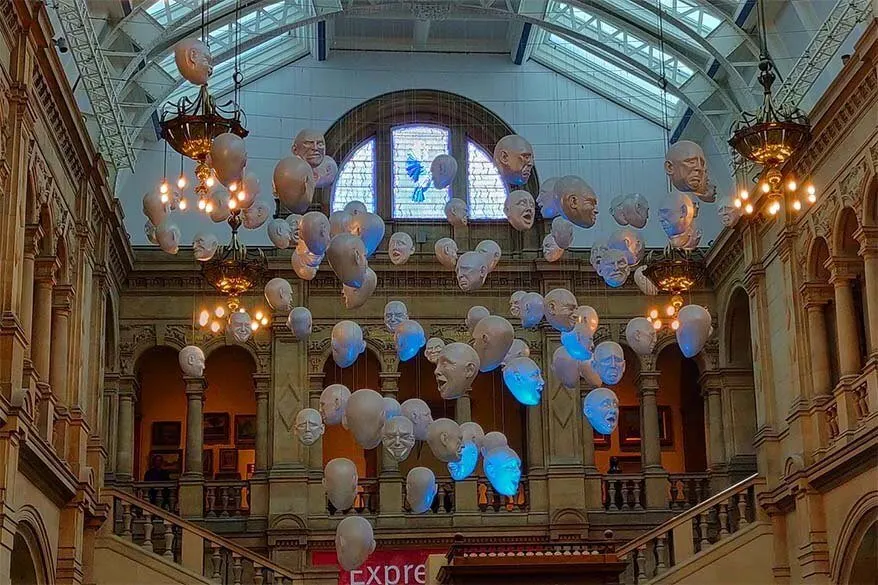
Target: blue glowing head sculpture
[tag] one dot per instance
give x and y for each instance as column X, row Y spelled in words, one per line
column 472, row 437
column 578, row 342
column 601, row 408
column 410, row 338
column 524, row 379
column 503, row 468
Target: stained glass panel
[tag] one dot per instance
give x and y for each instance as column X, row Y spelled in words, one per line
column 486, row 190
column 413, row 149
column 356, row 178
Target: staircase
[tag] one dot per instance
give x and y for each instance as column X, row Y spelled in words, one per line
column 719, row 541
column 141, row 544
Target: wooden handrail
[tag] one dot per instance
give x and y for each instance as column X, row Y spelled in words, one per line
column 690, row 513
column 205, row 534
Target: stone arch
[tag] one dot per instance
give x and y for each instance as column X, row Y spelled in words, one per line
column 860, row 520
column 32, row 543
column 324, row 350
column 817, row 257
column 735, row 339
column 870, row 202
column 216, row 342
column 844, row 227
column 47, row 244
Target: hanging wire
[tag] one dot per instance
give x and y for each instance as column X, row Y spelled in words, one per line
column 236, row 76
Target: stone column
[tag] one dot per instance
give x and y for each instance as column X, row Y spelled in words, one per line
column 389, row 478
column 41, row 344
column 711, row 390
column 59, row 362
column 590, row 470
column 868, row 238
column 816, row 297
column 262, row 384
column 28, row 284
column 846, row 320
column 655, row 477
column 125, row 437
column 192, row 480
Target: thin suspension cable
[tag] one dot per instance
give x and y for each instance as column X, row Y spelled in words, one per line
column 763, row 40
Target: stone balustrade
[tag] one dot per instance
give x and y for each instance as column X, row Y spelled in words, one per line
column 852, row 406
column 365, row 502
column 226, row 498
column 491, row 501
column 623, row 492
column 164, row 494
column 687, row 489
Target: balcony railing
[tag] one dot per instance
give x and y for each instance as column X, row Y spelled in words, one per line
column 443, row 501
column 162, row 494
column 852, row 405
column 226, row 498
column 623, row 492
column 365, row 502
column 687, row 489
column 490, row 501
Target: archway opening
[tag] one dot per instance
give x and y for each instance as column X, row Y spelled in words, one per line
column 159, row 416
column 738, row 393
column 681, row 413
column 849, row 249
column 866, row 559
column 25, row 565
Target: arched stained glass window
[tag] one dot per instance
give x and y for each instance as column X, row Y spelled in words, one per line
column 413, row 149
column 487, row 194
column 356, row 178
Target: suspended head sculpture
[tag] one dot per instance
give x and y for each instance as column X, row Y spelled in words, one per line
column 601, row 408
column 299, row 322
column 551, row 251
column 398, row 437
column 248, row 191
column 588, row 316
column 520, row 210
column 255, row 216
column 400, row 248
column 676, row 213
column 612, row 266
column 445, row 439
column 410, row 338
column 434, row 347
column 514, row 159
column 340, row 222
column 456, row 212
column 491, row 441
column 392, row 408
column 442, row 170
column 347, row 257
column 474, row 315
column 354, row 542
column 395, row 312
column 446, row 252
column 609, row 362
column 503, row 468
column 310, row 146
column 314, row 229
column 629, row 242
column 518, row 349
column 279, row 294
column 694, row 329
column 220, row 211
column 472, row 436
column 347, row 343
column 640, row 335
column 326, row 172
column 491, row 250
column 228, row 157
column 340, row 482
column 239, row 326
column 578, row 342
column 565, row 368
column 364, row 417
column 280, row 232
column 560, row 306
column 456, row 368
column 355, row 298
column 309, row 427
column 562, row 231
column 548, row 200
column 686, row 166
column 420, row 489
column 472, row 269
column 295, row 220
column 515, row 303
column 578, row 201
column 204, row 246
column 355, row 208
column 524, row 379
column 149, row 230
column 167, row 235
column 192, row 361
column 294, row 183
column 645, row 285
column 333, row 402
column 153, row 208
column 492, row 337
column 305, row 263
column 689, row 239
column 631, row 209
column 532, row 310
column 728, row 214
column 193, row 61
column 417, row 411
column 369, row 227
column 587, row 373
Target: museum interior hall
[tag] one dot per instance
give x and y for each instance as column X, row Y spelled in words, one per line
column 438, row 292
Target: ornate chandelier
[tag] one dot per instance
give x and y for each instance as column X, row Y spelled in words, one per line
column 674, row 272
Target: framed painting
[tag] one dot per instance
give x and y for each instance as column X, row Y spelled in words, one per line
column 245, row 430
column 629, row 427
column 166, row 434
column 228, row 460
column 216, row 428
column 169, row 463
column 207, row 463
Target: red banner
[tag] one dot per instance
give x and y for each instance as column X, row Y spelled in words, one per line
column 383, row 567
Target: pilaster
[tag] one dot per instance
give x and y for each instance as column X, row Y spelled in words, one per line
column 259, row 481
column 192, row 480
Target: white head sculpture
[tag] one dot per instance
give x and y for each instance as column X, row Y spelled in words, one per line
column 475, row 314
column 493, row 337
column 676, row 213
column 587, row 373
column 279, row 294
column 729, row 214
column 280, row 232
column 472, row 269
column 442, row 170
column 299, row 322
column 310, row 146
column 192, row 361
column 204, row 246
column 686, row 166
column 631, row 209
column 565, row 368
column 420, row 489
column 309, row 427
column 326, row 172
column 239, row 326
column 491, row 441
column 446, row 252
column 524, row 379
column 456, row 368
column 514, row 159
column 445, row 439
column 515, row 303
column 601, row 408
column 153, row 208
column 333, row 402
column 314, row 229
column 520, row 210
column 456, row 212
column 167, row 235
column 228, row 157
column 294, row 220
column 410, row 338
column 304, row 262
column 354, row 542
column 364, row 417
column 560, row 307
column 395, row 312
column 503, row 468
column 562, row 231
column 220, row 211
column 193, row 61
column 355, row 298
column 578, row 342
column 640, row 335
column 588, row 316
column 398, row 437
column 340, row 482
column 552, row 252
column 613, row 267
column 548, row 200
column 694, row 329
column 347, row 257
column 519, row 348
column 434, row 347
column 255, row 216
column 347, row 343
column 355, row 208
column 629, row 242
column 370, row 227
column 340, row 222
column 688, row 240
column 609, row 362
column 400, row 248
column 417, row 411
column 294, row 183
column 533, row 308
column 578, row 201
column 472, row 437
column 492, row 251
column 250, row 188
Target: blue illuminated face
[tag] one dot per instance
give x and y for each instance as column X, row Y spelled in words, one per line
column 410, row 339
column 469, row 458
column 525, row 381
column 503, row 468
column 578, row 342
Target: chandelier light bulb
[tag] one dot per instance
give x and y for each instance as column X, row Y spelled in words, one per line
column 765, row 187
column 738, row 203
column 208, row 207
column 669, row 311
column 219, row 311
column 182, row 205
column 265, row 320
column 242, row 195
column 254, row 325
column 745, row 195
column 812, row 198
column 232, row 203
column 657, row 324
column 748, row 209
column 181, row 182
column 797, row 205
column 791, row 185
column 772, row 209
column 164, row 187
column 675, row 324
column 653, row 313
column 164, row 197
column 233, row 187
column 210, row 181
column 215, row 326
column 203, row 317
column 258, row 315
column 202, row 204
column 810, row 190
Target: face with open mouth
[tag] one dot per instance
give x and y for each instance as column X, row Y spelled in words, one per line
column 520, row 209
column 456, row 369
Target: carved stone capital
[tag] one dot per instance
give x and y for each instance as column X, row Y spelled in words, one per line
column 45, row 268
column 62, row 298
column 262, row 383
column 867, row 236
column 842, row 270
column 195, row 386
column 815, row 294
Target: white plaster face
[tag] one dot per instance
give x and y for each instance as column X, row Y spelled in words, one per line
column 474, row 315
column 456, row 212
column 472, row 437
column 729, row 214
column 601, row 408
column 220, row 211
column 204, row 246
column 347, row 343
column 417, row 411
column 193, row 61
column 491, row 441
column 515, row 303
column 524, row 379
column 676, row 213
column 631, row 209
column 309, row 427
column 609, row 362
column 279, row 294
column 364, row 417
column 518, row 349
column 325, row 173
column 456, row 368
column 340, row 223
column 153, row 208
column 446, row 252
column 560, row 306
column 640, row 335
column 398, row 437
column 533, row 308
column 492, row 252
column 551, row 251
column 310, row 146
column 694, row 329
column 492, row 339
column 294, row 183
column 239, row 326
column 472, row 432
column 613, row 267
column 686, row 166
column 355, row 298
column 503, row 468
column 578, row 201
column 347, row 257
column 442, row 170
column 370, row 227
column 514, row 159
column 314, row 230
column 562, row 231
column 228, row 157
column 333, row 402
column 689, row 239
column 395, row 312
column 410, row 338
column 434, row 347
column 565, row 368
column 548, row 200
column 587, row 373
column 256, row 216
column 192, row 361
column 340, row 482
column 354, row 542
column 578, row 342
column 629, row 243
column 472, row 269
column 445, row 439
column 588, row 316
column 520, row 210
column 299, row 322
column 168, row 237
column 280, row 233
column 301, row 263
column 400, row 248
column 420, row 489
